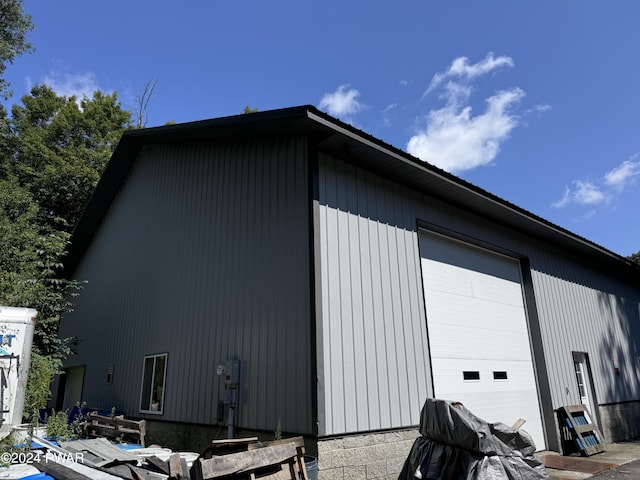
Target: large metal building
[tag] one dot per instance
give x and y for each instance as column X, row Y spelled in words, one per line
column 348, row 281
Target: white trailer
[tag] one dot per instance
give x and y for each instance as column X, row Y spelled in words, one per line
column 16, row 337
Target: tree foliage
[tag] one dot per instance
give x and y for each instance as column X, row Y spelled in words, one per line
column 60, row 147
column 15, row 25
column 30, row 260
column 18, row 229
column 635, row 257
column 38, row 393
column 53, row 150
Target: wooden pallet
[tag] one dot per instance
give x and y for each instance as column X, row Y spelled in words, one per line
column 116, row 428
column 584, row 433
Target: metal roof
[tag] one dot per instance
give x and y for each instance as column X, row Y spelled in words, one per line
column 330, row 135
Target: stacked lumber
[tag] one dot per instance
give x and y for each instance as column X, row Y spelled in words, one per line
column 252, row 460
column 100, row 459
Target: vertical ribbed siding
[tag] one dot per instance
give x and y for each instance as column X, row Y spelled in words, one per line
column 376, row 367
column 583, row 310
column 376, row 371
column 204, row 255
column 206, row 250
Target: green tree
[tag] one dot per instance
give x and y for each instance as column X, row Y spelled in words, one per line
column 29, row 263
column 55, row 151
column 15, row 25
column 30, row 260
column 18, row 234
column 635, row 257
column 61, row 147
column 52, row 152
column 70, row 143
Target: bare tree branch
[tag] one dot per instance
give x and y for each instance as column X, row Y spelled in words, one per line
column 141, row 108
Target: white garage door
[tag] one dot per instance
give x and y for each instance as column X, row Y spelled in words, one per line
column 478, row 335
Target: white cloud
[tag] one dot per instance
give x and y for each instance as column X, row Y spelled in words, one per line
column 541, row 108
column 623, row 174
column 454, row 140
column 389, row 107
column 78, row 85
column 582, row 193
column 342, row 103
column 461, row 69
column 585, row 193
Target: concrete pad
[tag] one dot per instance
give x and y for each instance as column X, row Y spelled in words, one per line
column 624, row 454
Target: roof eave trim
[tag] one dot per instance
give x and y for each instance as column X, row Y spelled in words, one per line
column 455, row 182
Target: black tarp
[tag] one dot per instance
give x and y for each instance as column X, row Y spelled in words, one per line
column 454, row 444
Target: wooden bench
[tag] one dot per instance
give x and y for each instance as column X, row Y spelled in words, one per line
column 116, row 428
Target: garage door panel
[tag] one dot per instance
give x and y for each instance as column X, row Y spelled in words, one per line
column 452, row 371
column 485, row 343
column 450, row 281
column 473, row 284
column 506, row 409
column 450, row 309
column 466, row 257
column 477, row 323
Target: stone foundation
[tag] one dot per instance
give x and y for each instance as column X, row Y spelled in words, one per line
column 620, row 421
column 364, row 457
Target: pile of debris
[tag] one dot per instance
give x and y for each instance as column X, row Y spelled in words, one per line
column 101, row 459
column 455, row 444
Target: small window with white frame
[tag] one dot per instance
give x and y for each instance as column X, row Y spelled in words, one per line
column 153, row 382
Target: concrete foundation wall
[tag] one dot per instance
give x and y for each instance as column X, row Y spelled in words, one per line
column 364, row 457
column 196, row 437
column 620, row 421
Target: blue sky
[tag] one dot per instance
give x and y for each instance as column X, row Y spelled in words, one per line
column 536, row 102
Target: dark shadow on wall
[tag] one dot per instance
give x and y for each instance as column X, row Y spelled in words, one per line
column 619, row 367
column 619, row 348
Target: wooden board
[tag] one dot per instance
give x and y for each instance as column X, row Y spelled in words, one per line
column 72, row 471
column 227, row 446
column 178, row 467
column 59, row 471
column 246, row 462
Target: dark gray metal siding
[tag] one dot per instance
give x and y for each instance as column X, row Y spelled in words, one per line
column 375, row 359
column 204, row 254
